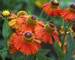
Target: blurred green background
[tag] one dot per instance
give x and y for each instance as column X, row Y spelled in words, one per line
column 27, row 4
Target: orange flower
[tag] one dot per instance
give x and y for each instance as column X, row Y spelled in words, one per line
column 52, row 9
column 25, row 43
column 16, row 23
column 45, row 37
column 30, row 22
column 69, row 14
column 24, row 40
column 48, row 36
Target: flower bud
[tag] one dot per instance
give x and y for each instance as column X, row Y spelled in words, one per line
column 6, row 13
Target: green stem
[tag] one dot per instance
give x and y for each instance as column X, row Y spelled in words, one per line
column 47, row 17
column 41, row 14
column 30, row 57
column 63, row 22
column 52, row 19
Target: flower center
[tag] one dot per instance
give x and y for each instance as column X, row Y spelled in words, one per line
column 32, row 20
column 33, row 17
column 72, row 7
column 28, row 36
column 54, row 4
column 50, row 27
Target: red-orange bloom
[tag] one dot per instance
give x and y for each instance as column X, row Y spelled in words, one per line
column 52, row 9
column 24, row 40
column 69, row 14
column 26, row 22
column 47, row 37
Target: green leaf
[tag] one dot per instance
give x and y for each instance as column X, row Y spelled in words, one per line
column 20, row 57
column 6, row 31
column 67, row 1
column 43, row 51
column 71, row 47
column 42, row 55
column 59, row 51
column 3, row 53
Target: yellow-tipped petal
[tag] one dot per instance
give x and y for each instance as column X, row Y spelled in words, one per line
column 22, row 13
column 12, row 22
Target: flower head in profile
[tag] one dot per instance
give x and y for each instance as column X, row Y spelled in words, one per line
column 52, row 8
column 69, row 13
column 48, row 34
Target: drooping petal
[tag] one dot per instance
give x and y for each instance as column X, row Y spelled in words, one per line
column 56, row 37
column 68, row 15
column 49, row 10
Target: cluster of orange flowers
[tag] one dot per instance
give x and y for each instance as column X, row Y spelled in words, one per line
column 29, row 33
column 53, row 9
